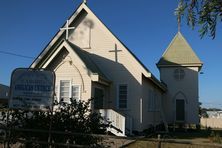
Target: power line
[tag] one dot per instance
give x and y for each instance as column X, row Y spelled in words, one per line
column 14, row 54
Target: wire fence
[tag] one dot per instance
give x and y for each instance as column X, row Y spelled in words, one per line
column 8, row 140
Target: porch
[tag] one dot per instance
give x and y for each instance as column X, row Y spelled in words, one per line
column 120, row 125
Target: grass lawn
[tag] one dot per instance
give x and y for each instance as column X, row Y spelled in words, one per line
column 196, row 134
column 189, row 138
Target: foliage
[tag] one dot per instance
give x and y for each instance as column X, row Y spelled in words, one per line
column 74, row 117
column 215, row 137
column 206, row 13
column 202, row 111
column 213, row 109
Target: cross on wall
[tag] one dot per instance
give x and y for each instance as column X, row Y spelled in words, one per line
column 67, row 28
column 116, row 52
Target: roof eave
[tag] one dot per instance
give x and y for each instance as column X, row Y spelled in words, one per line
column 95, row 77
column 55, row 37
column 156, row 82
column 182, row 65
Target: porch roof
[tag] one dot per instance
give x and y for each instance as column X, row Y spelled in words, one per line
column 90, row 64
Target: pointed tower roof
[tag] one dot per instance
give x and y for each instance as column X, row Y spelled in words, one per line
column 180, row 53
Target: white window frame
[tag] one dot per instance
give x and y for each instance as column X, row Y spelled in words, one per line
column 79, row 88
column 70, row 90
column 127, row 95
column 58, row 88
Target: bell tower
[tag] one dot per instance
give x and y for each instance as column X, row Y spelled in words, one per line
column 179, row 68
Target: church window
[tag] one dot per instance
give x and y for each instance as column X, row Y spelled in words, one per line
column 64, row 91
column 179, row 74
column 122, row 103
column 150, row 100
column 76, row 92
column 153, row 101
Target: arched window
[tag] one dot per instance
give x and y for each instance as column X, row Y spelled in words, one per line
column 179, row 74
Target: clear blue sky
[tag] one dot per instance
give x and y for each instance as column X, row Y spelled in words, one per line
column 145, row 26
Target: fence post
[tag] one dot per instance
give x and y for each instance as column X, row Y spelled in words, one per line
column 67, row 142
column 159, row 140
column 131, row 125
column 50, row 129
column 8, row 130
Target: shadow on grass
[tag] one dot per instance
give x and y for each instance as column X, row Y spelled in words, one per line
column 196, row 134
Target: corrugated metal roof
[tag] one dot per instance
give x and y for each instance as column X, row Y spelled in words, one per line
column 179, row 52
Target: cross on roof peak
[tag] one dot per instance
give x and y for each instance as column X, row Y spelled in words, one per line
column 85, row 1
column 67, row 28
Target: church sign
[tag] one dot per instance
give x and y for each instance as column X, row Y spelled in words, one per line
column 32, row 89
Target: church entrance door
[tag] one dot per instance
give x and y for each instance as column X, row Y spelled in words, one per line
column 180, row 110
column 98, row 98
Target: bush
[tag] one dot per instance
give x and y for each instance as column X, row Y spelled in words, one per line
column 215, row 137
column 75, row 117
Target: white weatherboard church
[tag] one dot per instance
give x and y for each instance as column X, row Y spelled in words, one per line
column 91, row 62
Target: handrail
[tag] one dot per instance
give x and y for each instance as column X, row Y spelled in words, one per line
column 117, row 120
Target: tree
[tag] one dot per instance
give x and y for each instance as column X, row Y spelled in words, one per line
column 206, row 13
column 202, row 111
column 75, row 117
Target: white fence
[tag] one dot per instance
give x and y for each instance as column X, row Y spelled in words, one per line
column 211, row 122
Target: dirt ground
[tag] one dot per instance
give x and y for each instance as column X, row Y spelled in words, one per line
column 151, row 144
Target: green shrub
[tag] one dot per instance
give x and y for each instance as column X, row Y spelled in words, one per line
column 215, row 137
column 74, row 117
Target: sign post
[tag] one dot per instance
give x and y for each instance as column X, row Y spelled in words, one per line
column 33, row 90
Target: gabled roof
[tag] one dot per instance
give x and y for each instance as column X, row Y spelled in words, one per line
column 38, row 61
column 86, row 58
column 56, row 38
column 179, row 52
